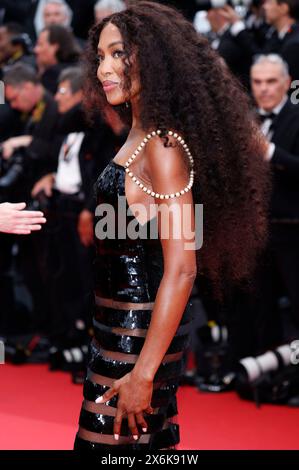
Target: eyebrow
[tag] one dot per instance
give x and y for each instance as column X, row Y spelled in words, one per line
column 113, row 44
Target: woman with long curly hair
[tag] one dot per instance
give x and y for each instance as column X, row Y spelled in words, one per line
column 192, row 140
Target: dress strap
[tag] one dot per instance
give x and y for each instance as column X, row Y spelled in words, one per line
column 148, row 190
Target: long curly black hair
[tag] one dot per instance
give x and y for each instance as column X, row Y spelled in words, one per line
column 187, row 88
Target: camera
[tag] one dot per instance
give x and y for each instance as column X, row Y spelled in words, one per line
column 41, row 202
column 11, row 170
column 255, row 367
column 271, row 377
column 24, row 41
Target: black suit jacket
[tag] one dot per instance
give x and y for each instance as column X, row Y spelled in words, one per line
column 285, row 165
column 43, row 132
column 288, row 47
column 236, row 58
column 99, row 145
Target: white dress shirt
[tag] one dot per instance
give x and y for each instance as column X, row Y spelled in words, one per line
column 266, row 126
column 68, row 178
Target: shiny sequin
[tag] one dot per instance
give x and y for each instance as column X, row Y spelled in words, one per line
column 128, row 271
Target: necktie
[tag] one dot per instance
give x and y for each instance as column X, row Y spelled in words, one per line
column 265, row 116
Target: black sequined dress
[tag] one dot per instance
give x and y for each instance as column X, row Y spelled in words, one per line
column 128, row 273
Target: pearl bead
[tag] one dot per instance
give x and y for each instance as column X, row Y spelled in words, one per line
column 141, row 185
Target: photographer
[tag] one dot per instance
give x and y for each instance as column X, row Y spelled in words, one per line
column 258, row 324
column 25, row 158
column 31, row 151
column 55, row 50
column 282, row 38
column 227, row 46
column 15, row 46
column 270, row 82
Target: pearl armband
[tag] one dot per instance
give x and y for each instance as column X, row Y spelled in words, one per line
column 148, row 190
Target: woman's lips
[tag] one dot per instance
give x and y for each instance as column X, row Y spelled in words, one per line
column 108, row 86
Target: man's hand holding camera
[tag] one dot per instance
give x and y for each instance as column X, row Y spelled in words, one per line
column 10, row 145
column 44, row 184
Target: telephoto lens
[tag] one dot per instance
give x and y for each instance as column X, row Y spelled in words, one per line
column 254, row 367
column 268, row 378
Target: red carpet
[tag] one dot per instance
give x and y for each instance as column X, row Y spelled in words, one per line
column 39, row 410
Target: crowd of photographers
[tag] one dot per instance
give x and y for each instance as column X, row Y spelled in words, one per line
column 50, row 156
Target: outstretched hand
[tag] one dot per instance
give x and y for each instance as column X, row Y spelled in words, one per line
column 134, row 398
column 13, row 219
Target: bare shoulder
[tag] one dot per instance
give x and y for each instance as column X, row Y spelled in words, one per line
column 165, row 156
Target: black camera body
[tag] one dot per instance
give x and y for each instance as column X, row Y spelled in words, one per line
column 24, row 41
column 11, row 171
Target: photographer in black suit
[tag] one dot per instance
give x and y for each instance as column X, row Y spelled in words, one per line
column 24, row 158
column 31, row 150
column 283, row 16
column 278, row 273
column 256, row 322
column 235, row 57
column 282, row 38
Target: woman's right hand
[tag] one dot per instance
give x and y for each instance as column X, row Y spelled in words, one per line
column 13, row 219
column 134, row 399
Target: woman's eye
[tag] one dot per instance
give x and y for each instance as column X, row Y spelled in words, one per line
column 99, row 59
column 118, row 54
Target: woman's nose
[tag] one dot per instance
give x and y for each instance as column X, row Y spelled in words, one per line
column 105, row 67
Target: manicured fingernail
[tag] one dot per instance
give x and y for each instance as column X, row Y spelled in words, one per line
column 116, row 437
column 135, row 437
column 144, row 429
column 99, row 400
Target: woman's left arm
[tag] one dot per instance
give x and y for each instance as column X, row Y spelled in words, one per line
column 176, row 224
